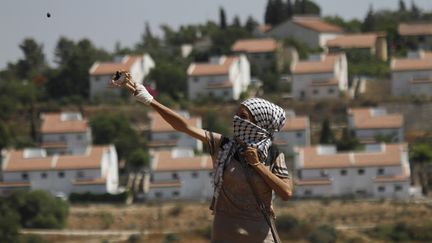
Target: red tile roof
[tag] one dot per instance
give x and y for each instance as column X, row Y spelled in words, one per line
column 53, row 123
column 313, row 182
column 15, row 161
column 108, row 68
column 296, row 123
column 411, row 64
column 85, row 182
column 207, row 69
column 164, row 161
column 415, row 29
column 364, row 119
column 325, row 65
column 255, row 45
column 362, row 40
column 316, row 24
column 390, row 156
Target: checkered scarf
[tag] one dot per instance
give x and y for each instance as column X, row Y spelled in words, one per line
column 269, row 118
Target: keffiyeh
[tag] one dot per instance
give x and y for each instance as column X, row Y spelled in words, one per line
column 269, row 118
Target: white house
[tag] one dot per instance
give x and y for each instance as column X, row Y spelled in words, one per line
column 372, row 43
column 381, row 171
column 370, row 124
column 178, row 175
column 412, row 76
column 95, row 171
column 101, row 73
column 225, row 77
column 163, row 136
column 417, row 35
column 64, row 133
column 295, row 133
column 261, row 53
column 311, row 30
column 321, row 78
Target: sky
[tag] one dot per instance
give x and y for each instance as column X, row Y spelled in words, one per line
column 106, row 22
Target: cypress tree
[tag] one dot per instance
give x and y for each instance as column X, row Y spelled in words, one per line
column 222, row 18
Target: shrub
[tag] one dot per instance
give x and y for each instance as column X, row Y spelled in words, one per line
column 205, row 232
column 88, row 197
column 286, row 223
column 323, row 234
column 176, row 211
column 172, row 237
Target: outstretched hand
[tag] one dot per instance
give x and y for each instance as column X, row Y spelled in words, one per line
column 123, row 79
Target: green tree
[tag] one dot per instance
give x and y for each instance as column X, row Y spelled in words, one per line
column 138, row 159
column 236, row 22
column 351, row 26
column 289, row 9
column 170, row 78
column 347, row 142
column 39, row 209
column 148, row 42
column 251, row 24
column 369, row 22
column 9, row 223
column 402, row 6
column 222, row 18
column 115, row 129
column 72, row 77
column 327, row 136
column 323, row 234
column 269, row 15
column 306, row 7
column 415, row 11
column 34, row 59
column 4, row 136
column 421, row 155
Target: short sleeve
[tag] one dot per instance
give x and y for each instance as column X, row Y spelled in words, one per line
column 213, row 141
column 279, row 167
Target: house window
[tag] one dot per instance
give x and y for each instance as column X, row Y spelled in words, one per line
column 61, row 174
column 194, row 174
column 210, row 174
column 44, row 175
column 343, row 172
column 380, row 171
column 62, row 138
column 80, row 174
column 79, row 137
column 24, row 176
column 96, row 78
column 323, row 173
column 158, row 194
column 196, row 80
column 361, row 171
column 269, row 56
column 225, row 93
column 299, row 134
column 175, row 176
column 315, row 91
column 330, row 91
column 211, row 94
column 381, row 189
column 398, row 188
column 175, row 193
column 308, row 192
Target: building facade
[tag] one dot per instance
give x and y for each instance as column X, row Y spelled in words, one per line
column 101, row 73
column 372, row 124
column 163, row 136
column 295, row 133
column 312, row 31
column 64, row 133
column 178, row 175
column 321, row 78
column 224, row 77
column 95, row 171
column 412, row 76
column 381, row 171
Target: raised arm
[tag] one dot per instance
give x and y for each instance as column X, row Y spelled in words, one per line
column 177, row 121
column 123, row 79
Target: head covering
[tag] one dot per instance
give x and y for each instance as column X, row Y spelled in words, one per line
column 269, row 118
